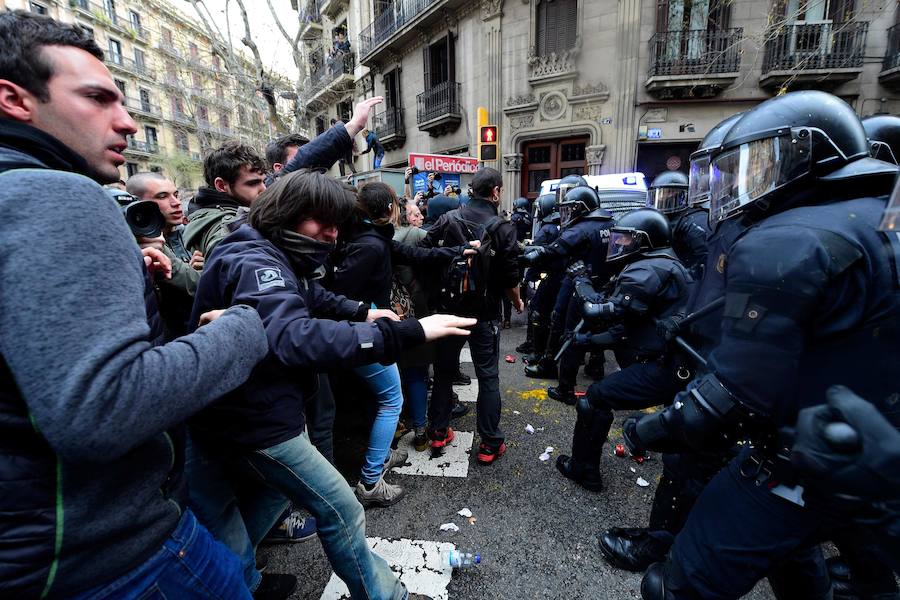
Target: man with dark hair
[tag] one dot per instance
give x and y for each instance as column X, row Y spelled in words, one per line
column 177, row 293
column 235, row 175
column 484, row 342
column 280, row 151
column 92, row 489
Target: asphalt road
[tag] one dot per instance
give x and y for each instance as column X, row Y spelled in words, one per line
column 536, row 531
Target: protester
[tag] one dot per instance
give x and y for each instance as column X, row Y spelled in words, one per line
column 92, row 489
column 280, row 151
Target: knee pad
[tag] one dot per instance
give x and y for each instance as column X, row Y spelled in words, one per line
column 583, row 407
column 653, row 585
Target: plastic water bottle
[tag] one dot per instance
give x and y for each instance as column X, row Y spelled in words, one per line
column 460, row 559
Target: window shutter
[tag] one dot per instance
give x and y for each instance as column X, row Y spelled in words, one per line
column 662, row 15
column 451, row 57
column 426, row 61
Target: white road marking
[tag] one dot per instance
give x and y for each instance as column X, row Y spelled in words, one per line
column 454, row 462
column 465, row 356
column 467, row 393
column 416, row 562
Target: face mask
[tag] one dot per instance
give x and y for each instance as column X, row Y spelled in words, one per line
column 307, row 254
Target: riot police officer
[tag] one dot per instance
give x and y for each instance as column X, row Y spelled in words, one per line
column 883, row 132
column 652, row 284
column 541, row 303
column 684, row 474
column 669, row 195
column 521, row 218
column 584, row 236
column 811, row 299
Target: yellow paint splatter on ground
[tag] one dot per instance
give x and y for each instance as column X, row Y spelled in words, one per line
column 539, row 394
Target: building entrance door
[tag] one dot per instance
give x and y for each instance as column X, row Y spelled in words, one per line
column 551, row 159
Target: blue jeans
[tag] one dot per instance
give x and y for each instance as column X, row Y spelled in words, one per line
column 190, row 565
column 416, row 393
column 378, row 158
column 236, row 509
column 384, row 382
column 297, row 470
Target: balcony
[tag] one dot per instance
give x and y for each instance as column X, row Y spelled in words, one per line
column 140, row 148
column 820, row 55
column 310, row 20
column 139, row 33
column 697, row 63
column 890, row 70
column 136, row 106
column 399, row 23
column 332, row 8
column 331, row 80
column 127, row 65
column 184, row 119
column 389, row 128
column 169, row 48
column 437, row 109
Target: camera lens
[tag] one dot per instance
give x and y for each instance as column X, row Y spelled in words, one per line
column 437, row 176
column 144, row 218
column 415, row 170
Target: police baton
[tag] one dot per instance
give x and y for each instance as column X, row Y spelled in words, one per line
column 569, row 341
column 697, row 314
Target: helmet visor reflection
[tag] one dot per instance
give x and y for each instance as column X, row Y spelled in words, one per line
column 748, row 172
column 569, row 213
column 698, row 186
column 622, row 242
column 563, row 189
column 668, row 200
column 891, row 219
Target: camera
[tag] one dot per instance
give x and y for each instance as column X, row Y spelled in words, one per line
column 143, row 216
column 457, row 190
column 415, row 170
column 437, row 176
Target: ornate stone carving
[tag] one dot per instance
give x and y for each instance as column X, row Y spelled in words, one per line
column 521, row 122
column 656, row 115
column 512, row 162
column 595, row 154
column 589, row 90
column 520, row 100
column 553, row 106
column 553, row 65
column 491, row 9
column 587, row 112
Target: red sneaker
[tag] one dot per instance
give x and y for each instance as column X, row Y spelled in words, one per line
column 441, row 438
column 489, row 454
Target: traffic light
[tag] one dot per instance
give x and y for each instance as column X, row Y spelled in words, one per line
column 487, row 143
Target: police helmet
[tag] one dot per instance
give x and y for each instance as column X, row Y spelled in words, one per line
column 891, row 220
column 783, row 145
column 668, row 192
column 521, row 204
column 567, row 183
column 698, row 186
column 641, row 232
column 579, row 202
column 545, row 206
column 883, row 132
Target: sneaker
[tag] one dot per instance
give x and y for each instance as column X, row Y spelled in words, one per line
column 382, row 493
column 462, row 379
column 421, row 443
column 275, row 586
column 459, row 410
column 488, row 454
column 441, row 438
column 294, row 528
column 397, row 458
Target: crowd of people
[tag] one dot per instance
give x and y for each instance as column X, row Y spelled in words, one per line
column 167, row 402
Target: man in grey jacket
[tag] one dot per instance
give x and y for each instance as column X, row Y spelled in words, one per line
column 92, row 492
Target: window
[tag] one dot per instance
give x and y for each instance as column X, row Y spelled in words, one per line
column 181, row 141
column 216, row 61
column 220, row 93
column 109, row 7
column 320, row 125
column 145, row 100
column 194, row 50
column 115, row 51
column 151, row 137
column 131, row 168
column 392, row 90
column 135, row 19
column 166, row 36
column 121, row 85
column 687, row 15
column 557, row 26
column 345, row 110
column 38, row 9
column 202, row 114
column 224, row 120
column 242, row 116
column 139, row 59
column 197, row 81
column 440, row 62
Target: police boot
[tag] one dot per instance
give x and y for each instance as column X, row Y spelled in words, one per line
column 544, row 368
column 844, row 575
column 591, row 429
column 540, row 333
column 595, row 366
column 566, row 395
column 635, row 548
column 653, row 585
column 527, row 347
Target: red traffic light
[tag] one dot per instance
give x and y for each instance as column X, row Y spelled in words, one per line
column 489, row 134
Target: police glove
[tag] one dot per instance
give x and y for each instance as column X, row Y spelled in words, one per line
column 847, row 448
column 576, row 270
column 533, row 254
column 669, row 327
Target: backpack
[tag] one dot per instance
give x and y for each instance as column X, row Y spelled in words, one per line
column 465, row 281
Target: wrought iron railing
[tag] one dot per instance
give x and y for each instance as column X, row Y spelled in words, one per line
column 892, row 56
column 812, row 46
column 139, row 146
column 389, row 122
column 695, row 52
column 392, row 18
column 127, row 64
column 138, row 105
column 310, row 13
column 440, row 100
column 330, row 69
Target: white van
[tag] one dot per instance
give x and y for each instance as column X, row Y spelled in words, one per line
column 619, row 192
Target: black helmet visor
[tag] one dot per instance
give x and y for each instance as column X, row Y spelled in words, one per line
column 668, row 200
column 891, row 219
column 698, row 188
column 744, row 174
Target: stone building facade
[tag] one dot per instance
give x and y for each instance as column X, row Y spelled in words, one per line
column 598, row 86
column 184, row 96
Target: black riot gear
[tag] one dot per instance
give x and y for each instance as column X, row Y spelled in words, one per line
column 883, row 132
column 890, row 222
column 776, row 150
column 698, row 179
column 521, row 204
column 669, row 192
column 580, row 203
column 546, row 209
column 642, row 232
column 568, row 183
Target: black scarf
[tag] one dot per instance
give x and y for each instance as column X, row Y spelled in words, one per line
column 208, row 197
column 306, row 254
column 42, row 146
